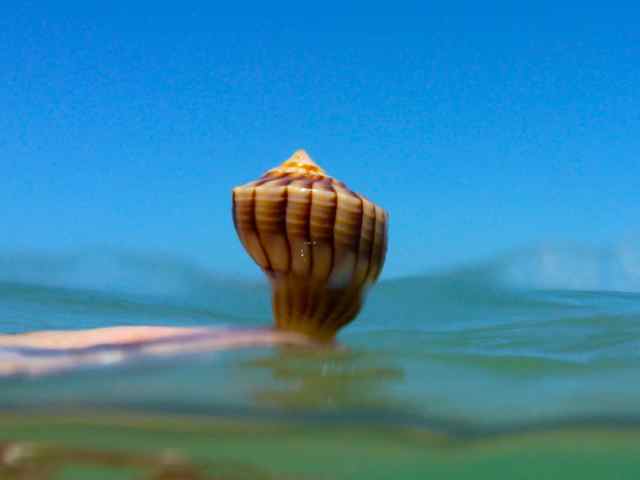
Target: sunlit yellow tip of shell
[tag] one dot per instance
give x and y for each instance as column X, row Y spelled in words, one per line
column 300, row 162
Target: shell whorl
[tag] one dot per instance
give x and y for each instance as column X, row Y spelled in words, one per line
column 321, row 244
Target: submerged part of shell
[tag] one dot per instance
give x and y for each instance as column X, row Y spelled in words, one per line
column 321, row 244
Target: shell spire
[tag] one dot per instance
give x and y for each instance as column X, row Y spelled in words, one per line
column 299, row 163
column 321, row 245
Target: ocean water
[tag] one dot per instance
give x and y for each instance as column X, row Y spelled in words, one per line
column 524, row 366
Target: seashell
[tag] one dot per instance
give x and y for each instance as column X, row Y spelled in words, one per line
column 321, row 245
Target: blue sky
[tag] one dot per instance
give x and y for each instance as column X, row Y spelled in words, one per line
column 479, row 130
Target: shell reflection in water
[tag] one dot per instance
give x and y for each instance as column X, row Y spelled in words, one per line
column 321, row 245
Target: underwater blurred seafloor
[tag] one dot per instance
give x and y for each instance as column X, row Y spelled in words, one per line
column 522, row 367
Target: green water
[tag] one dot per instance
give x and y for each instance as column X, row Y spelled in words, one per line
column 260, row 449
column 465, row 374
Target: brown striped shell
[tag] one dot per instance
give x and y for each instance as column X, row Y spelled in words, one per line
column 320, row 244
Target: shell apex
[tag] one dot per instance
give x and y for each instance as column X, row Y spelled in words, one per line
column 299, row 163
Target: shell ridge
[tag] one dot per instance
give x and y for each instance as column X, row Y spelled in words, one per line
column 385, row 240
column 233, row 209
column 308, row 296
column 248, row 231
column 326, row 309
column 309, row 293
column 353, row 288
column 378, row 244
column 372, row 249
column 319, row 294
column 300, row 297
column 288, row 298
column 258, row 235
column 360, row 289
column 333, row 230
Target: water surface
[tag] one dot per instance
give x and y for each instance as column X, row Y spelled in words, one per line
column 470, row 373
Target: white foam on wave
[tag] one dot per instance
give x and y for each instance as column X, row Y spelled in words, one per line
column 614, row 268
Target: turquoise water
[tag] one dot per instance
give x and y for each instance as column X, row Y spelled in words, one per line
column 510, row 361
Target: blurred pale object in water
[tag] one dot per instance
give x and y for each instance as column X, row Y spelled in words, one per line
column 46, row 352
